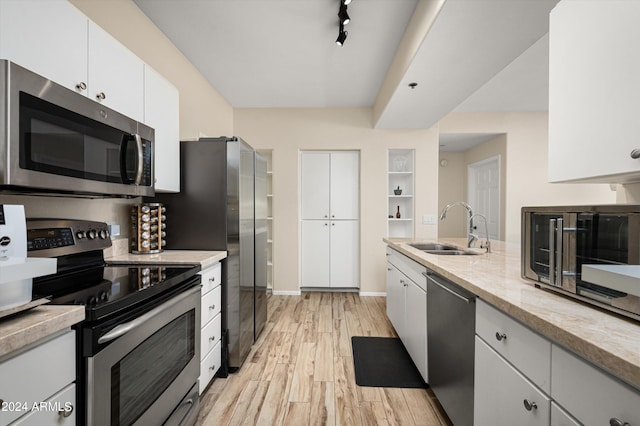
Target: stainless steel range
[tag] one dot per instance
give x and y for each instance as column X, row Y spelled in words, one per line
column 138, row 349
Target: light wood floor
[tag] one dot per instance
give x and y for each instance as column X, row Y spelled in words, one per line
column 300, row 371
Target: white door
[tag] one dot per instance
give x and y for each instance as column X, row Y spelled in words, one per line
column 315, row 171
column 345, row 185
column 315, row 253
column 416, row 321
column 344, row 258
column 484, row 195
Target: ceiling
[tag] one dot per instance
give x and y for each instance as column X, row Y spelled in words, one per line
column 479, row 55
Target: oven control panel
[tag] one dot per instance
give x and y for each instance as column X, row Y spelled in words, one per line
column 57, row 237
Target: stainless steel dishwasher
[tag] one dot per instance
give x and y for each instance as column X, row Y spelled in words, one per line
column 451, row 323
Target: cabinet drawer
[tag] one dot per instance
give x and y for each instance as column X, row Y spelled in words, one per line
column 211, row 278
column 592, row 396
column 525, row 349
column 53, row 411
column 412, row 269
column 502, row 395
column 209, row 366
column 211, row 334
column 559, row 417
column 38, row 373
column 211, row 304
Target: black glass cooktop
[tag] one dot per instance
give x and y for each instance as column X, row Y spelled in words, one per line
column 106, row 290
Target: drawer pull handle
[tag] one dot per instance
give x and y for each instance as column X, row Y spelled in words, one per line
column 635, row 154
column 212, row 338
column 212, row 307
column 617, row 422
column 530, row 405
column 65, row 412
column 388, row 269
column 212, row 368
column 500, row 336
column 81, row 86
column 212, row 279
column 101, row 96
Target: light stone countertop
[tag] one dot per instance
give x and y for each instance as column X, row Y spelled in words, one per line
column 610, row 341
column 204, row 258
column 24, row 328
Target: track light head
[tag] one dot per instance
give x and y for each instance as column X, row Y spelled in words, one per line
column 342, row 36
column 343, row 15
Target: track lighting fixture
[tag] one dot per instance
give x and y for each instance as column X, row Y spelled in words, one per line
column 342, row 35
column 343, row 19
column 343, row 15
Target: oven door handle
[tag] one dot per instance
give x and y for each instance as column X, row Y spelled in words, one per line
column 123, row 329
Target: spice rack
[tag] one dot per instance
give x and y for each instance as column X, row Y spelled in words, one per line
column 148, row 228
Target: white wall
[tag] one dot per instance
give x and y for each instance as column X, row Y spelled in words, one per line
column 288, row 131
column 526, row 164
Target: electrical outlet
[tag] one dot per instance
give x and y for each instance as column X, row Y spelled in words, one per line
column 429, row 219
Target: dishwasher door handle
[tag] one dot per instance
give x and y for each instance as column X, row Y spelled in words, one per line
column 448, row 290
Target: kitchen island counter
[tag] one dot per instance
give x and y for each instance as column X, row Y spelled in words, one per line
column 607, row 340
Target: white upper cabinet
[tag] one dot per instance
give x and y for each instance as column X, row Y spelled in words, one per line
column 116, row 75
column 330, row 185
column 594, row 91
column 315, row 185
column 162, row 112
column 48, row 37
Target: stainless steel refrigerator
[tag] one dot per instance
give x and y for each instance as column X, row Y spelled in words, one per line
column 222, row 206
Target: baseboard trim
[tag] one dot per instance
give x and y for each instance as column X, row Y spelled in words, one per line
column 373, row 293
column 286, row 293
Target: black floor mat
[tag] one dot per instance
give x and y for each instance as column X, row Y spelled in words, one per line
column 384, row 362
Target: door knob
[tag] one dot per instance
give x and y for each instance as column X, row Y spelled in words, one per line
column 530, row 405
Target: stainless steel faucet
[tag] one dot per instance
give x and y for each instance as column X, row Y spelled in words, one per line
column 471, row 237
column 487, row 244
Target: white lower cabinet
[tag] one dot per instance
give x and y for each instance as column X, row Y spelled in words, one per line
column 330, row 253
column 32, row 381
column 592, row 396
column 502, row 395
column 211, row 324
column 559, row 417
column 407, row 306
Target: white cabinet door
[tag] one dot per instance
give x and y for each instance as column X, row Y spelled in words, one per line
column 315, row 253
column 576, row 385
column 315, row 169
column 395, row 298
column 115, row 73
column 48, row 37
column 503, row 396
column 594, row 90
column 162, row 112
column 416, row 326
column 344, row 253
column 559, row 417
column 345, row 185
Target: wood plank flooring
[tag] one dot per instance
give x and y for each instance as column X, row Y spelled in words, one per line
column 300, row 371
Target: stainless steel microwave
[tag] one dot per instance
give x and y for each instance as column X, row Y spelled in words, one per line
column 56, row 140
column 559, row 244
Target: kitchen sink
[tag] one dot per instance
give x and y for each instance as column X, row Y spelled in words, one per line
column 441, row 249
column 434, row 247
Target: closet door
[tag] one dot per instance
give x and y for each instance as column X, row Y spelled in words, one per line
column 344, row 253
column 315, row 170
column 315, row 253
column 345, row 185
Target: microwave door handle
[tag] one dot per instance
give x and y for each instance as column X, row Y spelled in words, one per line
column 140, row 168
column 559, row 250
column 123, row 329
column 552, row 246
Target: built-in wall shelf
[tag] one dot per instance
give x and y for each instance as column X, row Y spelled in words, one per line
column 400, row 193
column 268, row 154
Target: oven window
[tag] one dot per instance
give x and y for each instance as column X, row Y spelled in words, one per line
column 57, row 141
column 602, row 239
column 148, row 370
